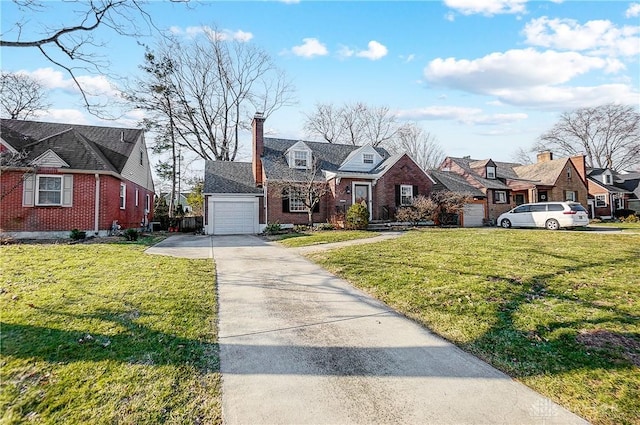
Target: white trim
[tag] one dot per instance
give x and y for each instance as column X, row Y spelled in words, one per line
column 137, row 196
column 37, row 189
column 496, row 197
column 123, row 196
column 604, row 196
column 369, row 195
column 8, row 146
column 406, row 186
column 50, row 159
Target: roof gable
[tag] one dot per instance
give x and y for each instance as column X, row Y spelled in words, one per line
column 49, row 159
column 365, row 158
column 544, row 173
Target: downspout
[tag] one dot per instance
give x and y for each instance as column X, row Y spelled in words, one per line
column 266, row 209
column 96, row 218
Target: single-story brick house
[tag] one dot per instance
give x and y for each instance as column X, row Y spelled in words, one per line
column 243, row 197
column 610, row 191
column 58, row 177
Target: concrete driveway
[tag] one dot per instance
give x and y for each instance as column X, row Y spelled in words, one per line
column 300, row 346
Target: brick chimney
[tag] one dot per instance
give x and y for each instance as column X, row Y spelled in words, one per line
column 579, row 163
column 258, row 146
column 545, row 156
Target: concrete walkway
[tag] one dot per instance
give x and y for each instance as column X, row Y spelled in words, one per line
column 300, row 346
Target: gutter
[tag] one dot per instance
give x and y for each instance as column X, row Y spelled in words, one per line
column 96, row 217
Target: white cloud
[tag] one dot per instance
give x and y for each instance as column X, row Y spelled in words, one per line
column 486, row 7
column 513, row 69
column 224, row 35
column 345, row 52
column 598, row 36
column 450, row 16
column 408, row 58
column 633, row 10
column 97, row 85
column 309, row 48
column 460, row 114
column 64, row 116
column 563, row 98
column 374, row 52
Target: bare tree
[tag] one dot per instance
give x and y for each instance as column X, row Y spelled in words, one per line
column 524, row 156
column 352, row 124
column 21, row 96
column 73, row 45
column 608, row 135
column 422, row 146
column 216, row 86
column 305, row 186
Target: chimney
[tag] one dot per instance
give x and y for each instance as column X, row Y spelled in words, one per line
column 545, row 156
column 258, row 146
column 579, row 163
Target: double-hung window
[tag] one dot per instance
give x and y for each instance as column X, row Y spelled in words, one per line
column 300, row 159
column 500, row 197
column 296, row 203
column 571, row 195
column 406, row 194
column 601, row 200
column 49, row 190
column 491, row 172
column 123, row 195
column 367, row 158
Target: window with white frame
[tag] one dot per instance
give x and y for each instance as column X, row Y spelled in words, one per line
column 301, row 159
column 406, row 194
column 148, row 203
column 296, row 202
column 49, row 190
column 571, row 195
column 569, row 173
column 607, row 179
column 367, row 158
column 137, row 195
column 491, row 172
column 123, row 195
column 601, row 200
column 619, row 203
column 500, row 197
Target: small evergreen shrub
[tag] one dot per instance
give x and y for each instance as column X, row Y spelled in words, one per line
column 77, row 235
column 131, row 235
column 630, row 219
column 272, row 228
column 357, row 217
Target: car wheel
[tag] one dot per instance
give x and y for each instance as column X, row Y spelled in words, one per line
column 552, row 224
column 505, row 223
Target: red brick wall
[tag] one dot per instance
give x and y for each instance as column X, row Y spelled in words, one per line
column 405, row 171
column 276, row 215
column 16, row 218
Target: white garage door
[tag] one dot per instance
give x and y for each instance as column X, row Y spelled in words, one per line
column 473, row 215
column 233, row 216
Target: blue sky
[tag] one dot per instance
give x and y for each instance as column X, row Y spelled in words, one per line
column 484, row 76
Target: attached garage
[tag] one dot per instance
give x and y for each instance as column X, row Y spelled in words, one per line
column 473, row 215
column 232, row 215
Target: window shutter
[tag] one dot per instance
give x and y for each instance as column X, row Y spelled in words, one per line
column 285, row 202
column 397, row 195
column 494, row 196
column 28, row 190
column 415, row 190
column 67, row 190
column 316, row 208
column 508, row 197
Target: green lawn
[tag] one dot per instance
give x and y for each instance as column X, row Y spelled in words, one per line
column 625, row 227
column 295, row 240
column 102, row 334
column 559, row 311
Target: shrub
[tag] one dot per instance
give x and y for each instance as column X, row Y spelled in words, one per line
column 630, row 219
column 272, row 228
column 624, row 213
column 325, row 226
column 131, row 235
column 77, row 235
column 357, row 217
column 408, row 214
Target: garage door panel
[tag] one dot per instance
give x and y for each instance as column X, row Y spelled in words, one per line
column 473, row 215
column 232, row 217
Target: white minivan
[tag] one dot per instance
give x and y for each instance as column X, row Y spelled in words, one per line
column 552, row 215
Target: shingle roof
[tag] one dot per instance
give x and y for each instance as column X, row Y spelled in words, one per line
column 329, row 156
column 464, row 163
column 229, row 177
column 455, row 183
column 81, row 146
column 544, row 173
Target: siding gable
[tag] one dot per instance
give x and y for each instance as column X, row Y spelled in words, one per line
column 49, row 159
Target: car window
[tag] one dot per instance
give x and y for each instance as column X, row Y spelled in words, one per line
column 577, row 207
column 521, row 209
column 556, row 207
column 538, row 208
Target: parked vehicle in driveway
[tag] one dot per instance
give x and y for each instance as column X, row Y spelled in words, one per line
column 551, row 215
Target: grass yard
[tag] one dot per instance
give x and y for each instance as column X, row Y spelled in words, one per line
column 559, row 311
column 296, row 240
column 102, row 334
column 625, row 227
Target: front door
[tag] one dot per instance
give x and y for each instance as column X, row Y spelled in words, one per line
column 362, row 195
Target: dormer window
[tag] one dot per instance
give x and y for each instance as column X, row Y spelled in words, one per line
column 491, row 172
column 367, row 158
column 301, row 159
column 607, row 179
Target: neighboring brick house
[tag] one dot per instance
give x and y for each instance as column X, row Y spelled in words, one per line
column 58, row 177
column 506, row 185
column 245, row 197
column 610, row 191
column 473, row 213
